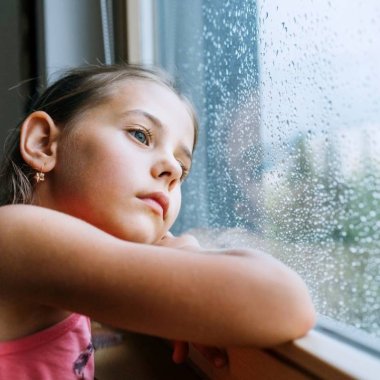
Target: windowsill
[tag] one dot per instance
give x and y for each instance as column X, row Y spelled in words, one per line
column 317, row 355
column 320, row 355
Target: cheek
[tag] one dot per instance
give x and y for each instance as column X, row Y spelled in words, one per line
column 176, row 206
column 97, row 158
column 81, row 164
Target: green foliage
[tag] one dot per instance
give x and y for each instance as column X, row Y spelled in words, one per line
column 315, row 203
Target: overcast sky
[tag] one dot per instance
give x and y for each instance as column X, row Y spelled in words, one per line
column 320, row 64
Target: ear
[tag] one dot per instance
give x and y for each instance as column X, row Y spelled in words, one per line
column 38, row 141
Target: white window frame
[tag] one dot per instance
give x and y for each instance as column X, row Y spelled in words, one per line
column 140, row 31
column 325, row 352
column 317, row 355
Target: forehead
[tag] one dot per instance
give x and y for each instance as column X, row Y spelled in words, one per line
column 156, row 99
column 146, row 93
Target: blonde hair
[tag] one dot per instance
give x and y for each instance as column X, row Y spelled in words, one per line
column 67, row 98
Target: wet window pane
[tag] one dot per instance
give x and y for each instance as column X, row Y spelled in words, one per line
column 289, row 152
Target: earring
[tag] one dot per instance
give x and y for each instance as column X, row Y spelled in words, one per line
column 40, row 176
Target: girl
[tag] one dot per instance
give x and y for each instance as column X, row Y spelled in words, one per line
column 91, row 186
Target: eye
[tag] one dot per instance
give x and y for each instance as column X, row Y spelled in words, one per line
column 141, row 135
column 185, row 171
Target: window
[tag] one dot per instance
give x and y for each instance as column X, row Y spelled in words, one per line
column 289, row 152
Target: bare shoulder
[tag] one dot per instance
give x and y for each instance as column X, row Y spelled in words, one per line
column 20, row 316
column 28, row 232
column 10, row 214
column 19, row 218
column 8, row 210
column 18, row 225
column 18, row 212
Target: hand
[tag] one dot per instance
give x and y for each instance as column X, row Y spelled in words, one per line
column 185, row 241
column 216, row 356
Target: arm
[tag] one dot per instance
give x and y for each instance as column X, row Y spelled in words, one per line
column 60, row 261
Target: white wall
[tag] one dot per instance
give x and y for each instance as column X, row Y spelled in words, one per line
column 72, row 34
column 10, row 72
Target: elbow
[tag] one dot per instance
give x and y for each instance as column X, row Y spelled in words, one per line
column 310, row 317
column 275, row 305
column 305, row 321
column 292, row 313
column 300, row 317
column 282, row 327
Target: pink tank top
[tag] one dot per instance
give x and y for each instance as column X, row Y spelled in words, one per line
column 63, row 351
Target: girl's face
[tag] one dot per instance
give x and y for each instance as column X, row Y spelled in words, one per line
column 120, row 167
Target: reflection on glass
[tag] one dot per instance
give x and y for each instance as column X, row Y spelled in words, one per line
column 289, row 152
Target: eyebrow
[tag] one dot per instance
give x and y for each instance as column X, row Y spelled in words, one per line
column 159, row 125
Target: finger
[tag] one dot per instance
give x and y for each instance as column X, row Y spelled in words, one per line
column 218, row 357
column 190, row 240
column 181, row 350
column 165, row 240
column 168, row 235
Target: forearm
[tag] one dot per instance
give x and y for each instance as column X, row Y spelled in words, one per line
column 270, row 303
column 279, row 300
column 217, row 299
column 212, row 300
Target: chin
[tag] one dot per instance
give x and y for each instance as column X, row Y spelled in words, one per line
column 146, row 234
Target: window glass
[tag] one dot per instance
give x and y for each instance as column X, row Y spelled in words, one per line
column 289, row 153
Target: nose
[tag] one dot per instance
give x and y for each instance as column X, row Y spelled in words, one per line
column 168, row 169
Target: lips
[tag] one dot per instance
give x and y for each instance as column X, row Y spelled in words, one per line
column 157, row 201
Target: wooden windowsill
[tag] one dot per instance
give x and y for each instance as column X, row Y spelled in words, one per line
column 314, row 356
column 317, row 355
column 330, row 358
